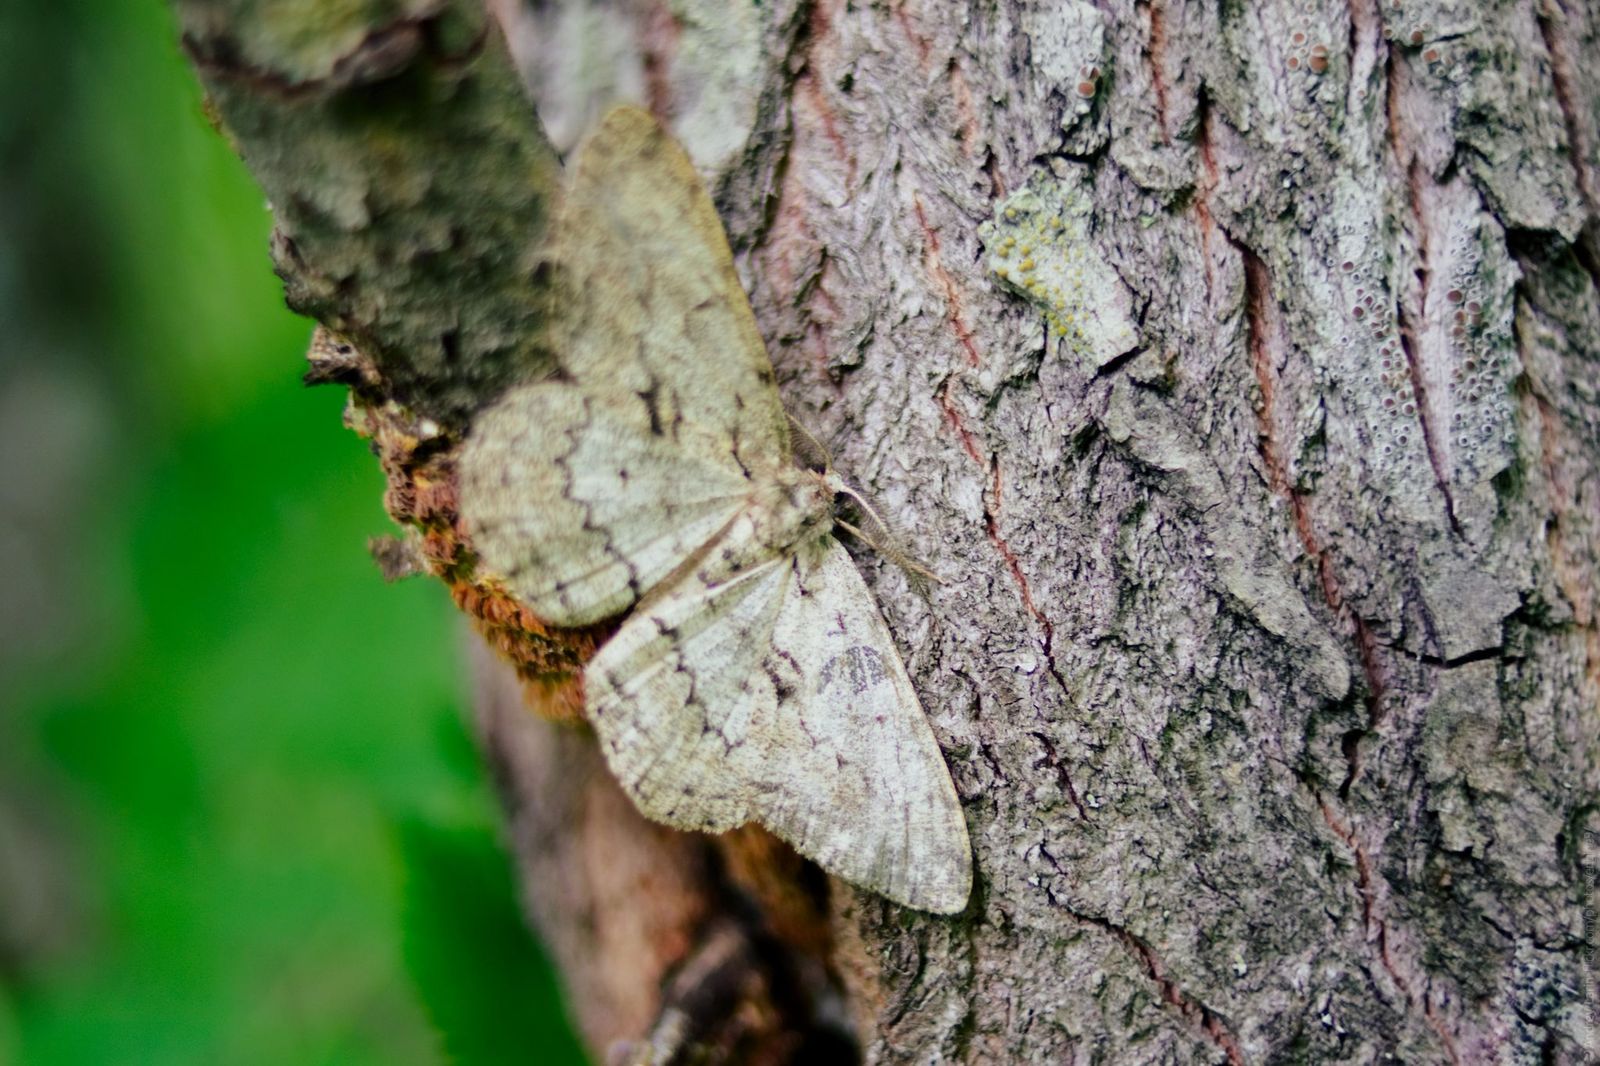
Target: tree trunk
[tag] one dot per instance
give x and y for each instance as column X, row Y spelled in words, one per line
column 1239, row 372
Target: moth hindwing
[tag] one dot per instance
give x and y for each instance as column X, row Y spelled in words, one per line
column 753, row 677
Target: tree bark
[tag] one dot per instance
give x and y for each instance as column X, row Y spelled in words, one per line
column 1237, row 368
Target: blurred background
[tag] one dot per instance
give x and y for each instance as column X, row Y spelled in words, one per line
column 241, row 818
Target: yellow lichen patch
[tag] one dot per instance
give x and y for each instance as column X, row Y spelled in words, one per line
column 1061, row 270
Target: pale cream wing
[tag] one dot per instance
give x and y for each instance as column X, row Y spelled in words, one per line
column 678, row 701
column 778, row 696
column 648, row 312
column 580, row 511
column 890, row 819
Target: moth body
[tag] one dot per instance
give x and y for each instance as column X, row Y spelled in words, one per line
column 794, row 507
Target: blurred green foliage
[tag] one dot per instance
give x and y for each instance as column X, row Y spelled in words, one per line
column 241, row 819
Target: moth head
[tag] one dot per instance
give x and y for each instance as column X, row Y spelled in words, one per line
column 811, row 496
column 792, row 508
column 836, row 485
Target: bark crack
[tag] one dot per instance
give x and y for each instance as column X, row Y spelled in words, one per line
column 819, row 23
column 1575, row 580
column 952, row 294
column 969, row 443
column 1409, row 341
column 1579, row 149
column 1378, row 928
column 918, row 40
column 1209, row 1021
column 992, row 504
column 1202, row 193
column 1062, row 774
column 1268, row 346
column 1408, row 309
column 1156, row 53
column 1564, row 76
column 991, row 519
column 991, row 522
column 658, row 43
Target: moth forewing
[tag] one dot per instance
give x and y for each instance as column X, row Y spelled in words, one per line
column 650, row 305
column 577, row 510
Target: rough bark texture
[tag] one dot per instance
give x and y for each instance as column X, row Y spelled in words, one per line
column 1239, row 370
column 409, row 180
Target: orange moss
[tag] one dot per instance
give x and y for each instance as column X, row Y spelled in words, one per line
column 417, row 459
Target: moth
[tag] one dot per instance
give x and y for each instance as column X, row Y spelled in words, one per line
column 752, row 677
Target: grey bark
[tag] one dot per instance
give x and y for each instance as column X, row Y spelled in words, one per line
column 1266, row 660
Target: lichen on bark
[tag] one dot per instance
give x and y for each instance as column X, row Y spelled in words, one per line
column 410, row 182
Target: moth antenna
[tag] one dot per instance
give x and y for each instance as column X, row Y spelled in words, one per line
column 919, row 574
column 822, row 449
column 871, row 512
column 892, row 538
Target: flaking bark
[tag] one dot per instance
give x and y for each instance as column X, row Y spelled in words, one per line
column 1266, row 659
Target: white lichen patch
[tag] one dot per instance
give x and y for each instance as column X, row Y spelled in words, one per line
column 1459, row 348
column 1466, row 349
column 592, row 61
column 1040, row 246
column 719, row 57
column 1367, row 360
column 1380, row 374
column 1068, row 48
column 590, row 57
